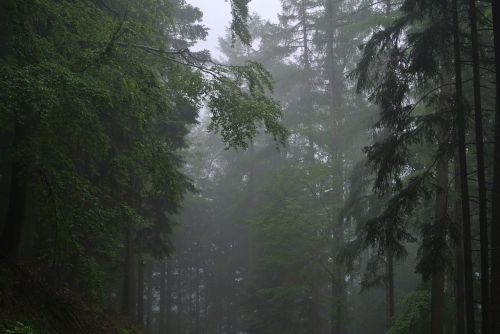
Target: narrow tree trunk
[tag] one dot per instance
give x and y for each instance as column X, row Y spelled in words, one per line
column 306, row 56
column 229, row 317
column 180, row 309
column 439, row 228
column 161, row 315
column 438, row 273
column 251, row 249
column 130, row 280
column 197, row 300
column 495, row 221
column 389, row 289
column 483, row 215
column 335, row 95
column 5, row 183
column 333, row 297
column 316, row 326
column 459, row 260
column 391, row 309
column 168, row 297
column 339, row 311
column 305, row 41
column 149, row 300
column 464, row 186
column 10, row 237
column 140, row 292
column 189, row 297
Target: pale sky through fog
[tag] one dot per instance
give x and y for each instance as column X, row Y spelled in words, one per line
column 217, row 16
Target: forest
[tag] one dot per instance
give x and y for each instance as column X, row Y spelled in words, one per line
column 334, row 172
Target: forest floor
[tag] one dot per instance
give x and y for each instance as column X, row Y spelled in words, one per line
column 29, row 305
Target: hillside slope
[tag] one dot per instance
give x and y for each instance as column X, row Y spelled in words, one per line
column 28, row 304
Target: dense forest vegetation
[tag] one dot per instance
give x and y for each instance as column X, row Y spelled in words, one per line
column 338, row 171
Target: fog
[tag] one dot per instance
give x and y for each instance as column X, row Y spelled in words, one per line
column 217, row 17
column 329, row 172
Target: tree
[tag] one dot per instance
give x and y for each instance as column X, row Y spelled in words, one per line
column 464, row 186
column 483, row 214
column 495, row 225
column 97, row 100
column 393, row 72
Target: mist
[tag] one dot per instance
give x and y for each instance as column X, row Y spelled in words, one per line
column 249, row 167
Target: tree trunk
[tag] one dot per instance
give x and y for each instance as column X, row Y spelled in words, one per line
column 438, row 273
column 305, row 42
column 168, row 296
column 5, row 183
column 197, row 300
column 179, row 294
column 464, row 186
column 459, row 260
column 140, row 292
column 333, row 319
column 495, row 221
column 10, row 237
column 189, row 297
column 129, row 304
column 306, row 56
column 439, row 228
column 161, row 315
column 483, row 214
column 251, row 249
column 335, row 95
column 339, row 299
column 391, row 309
column 316, row 321
column 149, row 300
column 11, row 234
column 389, row 289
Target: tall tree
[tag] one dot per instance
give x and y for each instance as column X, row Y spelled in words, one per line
column 415, row 65
column 481, row 178
column 495, row 220
column 464, row 186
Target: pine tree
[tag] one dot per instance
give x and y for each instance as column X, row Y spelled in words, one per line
column 405, row 66
column 465, row 252
column 495, row 220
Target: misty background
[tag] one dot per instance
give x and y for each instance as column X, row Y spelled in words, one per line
column 217, row 17
column 318, row 174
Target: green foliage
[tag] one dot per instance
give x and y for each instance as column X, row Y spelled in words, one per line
column 235, row 104
column 409, row 82
column 20, row 328
column 293, row 254
column 96, row 99
column 239, row 11
column 414, row 315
